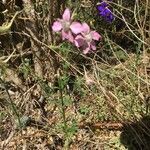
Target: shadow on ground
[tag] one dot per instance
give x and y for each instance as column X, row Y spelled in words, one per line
column 136, row 136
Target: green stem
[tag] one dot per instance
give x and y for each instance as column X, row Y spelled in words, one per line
column 63, row 111
column 64, row 120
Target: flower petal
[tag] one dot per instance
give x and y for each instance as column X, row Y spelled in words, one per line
column 70, row 37
column 102, row 6
column 64, row 35
column 76, row 27
column 95, row 35
column 57, row 26
column 86, row 28
column 105, row 12
column 79, row 41
column 93, row 46
column 110, row 18
column 67, row 35
column 86, row 50
column 66, row 15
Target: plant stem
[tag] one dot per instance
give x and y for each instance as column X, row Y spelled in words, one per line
column 63, row 110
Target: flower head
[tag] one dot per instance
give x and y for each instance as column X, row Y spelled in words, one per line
column 86, row 39
column 105, row 12
column 66, row 26
column 78, row 34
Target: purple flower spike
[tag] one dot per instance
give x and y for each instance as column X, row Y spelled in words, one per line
column 105, row 12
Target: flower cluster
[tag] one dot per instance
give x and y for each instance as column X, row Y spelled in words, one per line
column 105, row 12
column 75, row 32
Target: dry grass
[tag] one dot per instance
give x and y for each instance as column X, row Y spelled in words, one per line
column 54, row 97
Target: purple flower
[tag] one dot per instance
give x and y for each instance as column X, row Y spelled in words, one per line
column 105, row 12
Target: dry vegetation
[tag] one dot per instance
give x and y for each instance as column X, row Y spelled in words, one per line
column 52, row 97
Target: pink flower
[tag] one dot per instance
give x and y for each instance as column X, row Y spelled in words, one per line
column 66, row 26
column 86, row 39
